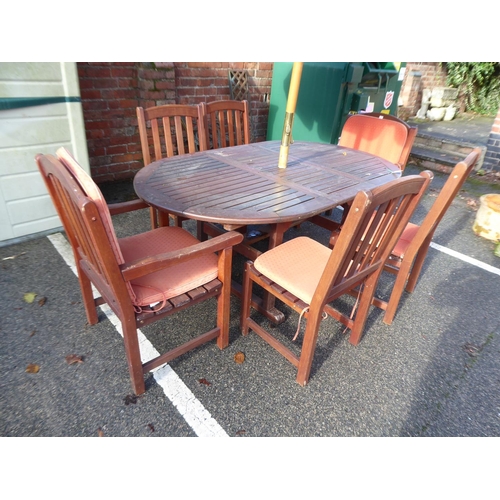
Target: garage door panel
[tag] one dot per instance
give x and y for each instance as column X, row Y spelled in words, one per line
column 33, row 209
column 18, row 187
column 29, row 71
column 21, row 133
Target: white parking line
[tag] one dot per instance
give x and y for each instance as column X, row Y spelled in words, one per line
column 193, row 412
column 466, row 258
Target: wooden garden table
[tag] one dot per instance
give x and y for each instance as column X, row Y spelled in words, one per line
column 242, row 185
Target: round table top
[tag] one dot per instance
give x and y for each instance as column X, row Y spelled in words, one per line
column 243, row 185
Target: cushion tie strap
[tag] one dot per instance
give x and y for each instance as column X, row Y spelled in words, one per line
column 324, row 315
column 152, row 307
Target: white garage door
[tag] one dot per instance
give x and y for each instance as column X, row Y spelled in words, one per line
column 40, row 111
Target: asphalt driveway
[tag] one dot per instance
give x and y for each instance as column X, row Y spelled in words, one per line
column 434, row 372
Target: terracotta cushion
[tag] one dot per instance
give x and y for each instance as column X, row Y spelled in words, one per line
column 296, row 265
column 174, row 280
column 384, row 138
column 405, row 239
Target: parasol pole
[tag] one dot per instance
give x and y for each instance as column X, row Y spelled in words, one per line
column 291, row 103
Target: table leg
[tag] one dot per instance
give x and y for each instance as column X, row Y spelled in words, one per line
column 264, row 305
column 268, row 300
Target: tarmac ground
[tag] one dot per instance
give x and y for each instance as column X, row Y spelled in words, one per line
column 435, row 372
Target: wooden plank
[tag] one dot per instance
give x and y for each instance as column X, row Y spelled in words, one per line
column 243, row 185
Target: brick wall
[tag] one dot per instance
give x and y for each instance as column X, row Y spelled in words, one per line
column 492, row 155
column 111, row 92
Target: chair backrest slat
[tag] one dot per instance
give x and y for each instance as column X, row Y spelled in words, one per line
column 184, row 134
column 227, row 123
column 372, row 228
column 87, row 218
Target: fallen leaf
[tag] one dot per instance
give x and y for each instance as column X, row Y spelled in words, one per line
column 32, row 368
column 32, row 333
column 240, row 432
column 204, row 381
column 151, row 427
column 13, row 256
column 471, row 350
column 71, row 359
column 29, row 297
column 130, row 399
column 100, row 432
column 42, row 301
column 239, row 357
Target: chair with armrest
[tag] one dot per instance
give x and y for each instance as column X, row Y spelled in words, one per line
column 410, row 139
column 408, row 256
column 308, row 276
column 143, row 278
column 175, row 129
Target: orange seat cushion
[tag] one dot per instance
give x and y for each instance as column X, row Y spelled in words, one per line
column 405, row 239
column 296, row 265
column 174, row 280
column 384, row 138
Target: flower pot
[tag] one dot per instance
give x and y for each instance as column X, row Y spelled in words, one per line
column 487, row 222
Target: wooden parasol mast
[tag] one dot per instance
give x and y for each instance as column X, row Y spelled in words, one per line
column 291, row 103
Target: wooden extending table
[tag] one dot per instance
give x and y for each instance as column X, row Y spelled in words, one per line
column 242, row 185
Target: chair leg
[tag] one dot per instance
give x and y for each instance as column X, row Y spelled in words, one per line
column 246, row 299
column 365, row 302
column 308, row 348
column 133, row 354
column 397, row 291
column 224, row 298
column 152, row 215
column 200, row 233
column 88, row 297
column 417, row 266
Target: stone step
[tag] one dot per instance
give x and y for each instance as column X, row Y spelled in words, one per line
column 441, row 153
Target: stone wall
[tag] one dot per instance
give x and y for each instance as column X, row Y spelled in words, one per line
column 419, row 76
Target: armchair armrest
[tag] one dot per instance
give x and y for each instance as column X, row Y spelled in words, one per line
column 148, row 265
column 126, row 206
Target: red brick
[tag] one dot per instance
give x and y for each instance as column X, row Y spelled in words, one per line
column 120, row 72
column 164, row 85
column 97, row 72
column 116, row 93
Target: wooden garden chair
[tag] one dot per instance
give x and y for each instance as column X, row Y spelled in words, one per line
column 144, row 277
column 410, row 138
column 408, row 256
column 174, row 129
column 382, row 137
column 308, row 276
column 227, row 123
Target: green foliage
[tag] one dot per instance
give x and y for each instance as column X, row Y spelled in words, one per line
column 478, row 83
